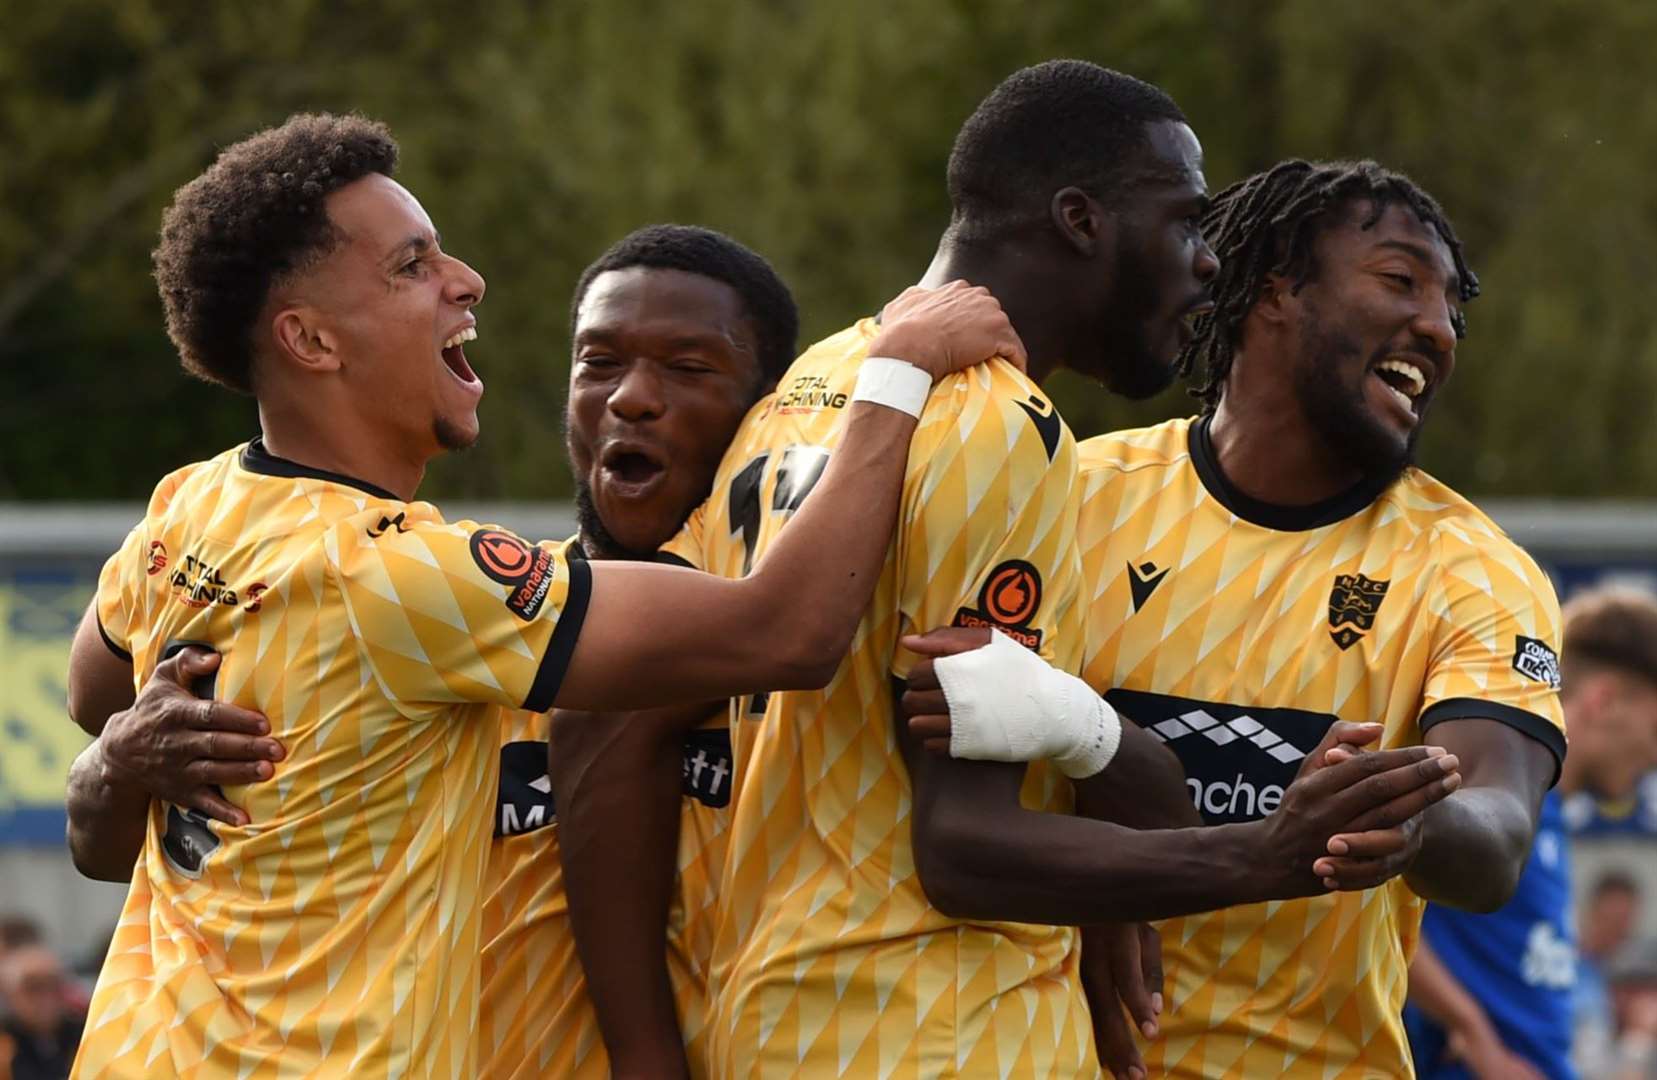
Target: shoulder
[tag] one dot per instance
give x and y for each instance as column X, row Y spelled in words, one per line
column 197, row 475
column 1463, row 538
column 1105, row 457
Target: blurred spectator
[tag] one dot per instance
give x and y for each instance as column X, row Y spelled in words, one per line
column 1629, row 1052
column 1604, row 926
column 39, row 1034
column 17, row 931
column 1491, row 996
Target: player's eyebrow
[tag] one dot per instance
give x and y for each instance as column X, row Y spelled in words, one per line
column 1424, row 255
column 415, row 244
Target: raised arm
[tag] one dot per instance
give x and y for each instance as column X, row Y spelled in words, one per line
column 711, row 638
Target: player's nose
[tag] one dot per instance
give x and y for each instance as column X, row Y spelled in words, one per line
column 638, row 394
column 465, row 286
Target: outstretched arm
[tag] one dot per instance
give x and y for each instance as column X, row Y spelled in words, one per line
column 712, row 638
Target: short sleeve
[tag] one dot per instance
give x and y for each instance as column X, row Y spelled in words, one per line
column 988, row 533
column 1496, row 641
column 685, row 549
column 121, row 592
column 461, row 612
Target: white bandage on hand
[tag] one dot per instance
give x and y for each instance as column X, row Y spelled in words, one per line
column 1007, row 704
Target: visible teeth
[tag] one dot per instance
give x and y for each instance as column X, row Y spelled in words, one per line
column 468, row 334
column 1418, row 381
column 1403, row 398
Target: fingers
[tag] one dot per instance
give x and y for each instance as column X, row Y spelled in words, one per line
column 1413, row 788
column 1355, row 875
column 226, row 746
column 923, row 702
column 222, row 716
column 215, row 807
column 227, row 773
column 1130, row 980
column 1150, row 963
column 1011, row 349
column 1375, row 844
column 1118, row 1052
column 946, row 641
column 1348, row 777
column 929, row 727
column 1340, row 734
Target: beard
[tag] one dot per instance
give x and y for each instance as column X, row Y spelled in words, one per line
column 1130, row 366
column 452, row 437
column 597, row 541
column 1337, row 410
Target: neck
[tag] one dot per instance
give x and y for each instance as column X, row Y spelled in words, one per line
column 315, row 438
column 1010, row 271
column 1267, row 450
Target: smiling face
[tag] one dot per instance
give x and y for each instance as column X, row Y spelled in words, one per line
column 394, row 311
column 665, row 366
column 1162, row 268
column 1376, row 335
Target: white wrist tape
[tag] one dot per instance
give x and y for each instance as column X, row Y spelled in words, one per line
column 1007, row 704
column 896, row 384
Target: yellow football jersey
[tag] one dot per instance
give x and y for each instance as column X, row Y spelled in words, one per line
column 339, row 932
column 535, row 1017
column 828, row 960
column 1237, row 632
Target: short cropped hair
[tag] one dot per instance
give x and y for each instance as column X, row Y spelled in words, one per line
column 1611, row 627
column 254, row 218
column 765, row 298
column 1058, row 124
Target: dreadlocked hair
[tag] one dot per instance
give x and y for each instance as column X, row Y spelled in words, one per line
column 1268, row 223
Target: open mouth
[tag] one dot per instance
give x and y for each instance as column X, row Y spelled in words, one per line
column 632, row 468
column 1188, row 321
column 1404, row 380
column 454, row 355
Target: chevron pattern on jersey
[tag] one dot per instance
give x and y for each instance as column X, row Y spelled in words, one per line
column 1232, row 661
column 828, row 961
column 340, row 931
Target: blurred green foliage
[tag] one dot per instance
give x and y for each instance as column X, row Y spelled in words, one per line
column 536, row 133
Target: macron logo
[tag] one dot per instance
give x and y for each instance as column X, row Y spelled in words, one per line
column 1222, row 732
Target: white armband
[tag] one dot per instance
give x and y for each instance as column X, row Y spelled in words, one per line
column 1008, row 704
column 896, row 384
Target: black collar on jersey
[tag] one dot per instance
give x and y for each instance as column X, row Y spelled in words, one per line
column 1270, row 515
column 256, row 459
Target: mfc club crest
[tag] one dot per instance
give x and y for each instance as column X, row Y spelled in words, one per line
column 1353, row 603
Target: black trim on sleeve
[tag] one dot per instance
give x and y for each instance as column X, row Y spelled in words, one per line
column 556, row 660
column 256, row 459
column 667, row 558
column 1467, row 708
column 1270, row 515
column 114, row 648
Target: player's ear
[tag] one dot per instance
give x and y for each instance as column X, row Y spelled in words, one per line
column 1277, row 295
column 300, row 337
column 1081, row 221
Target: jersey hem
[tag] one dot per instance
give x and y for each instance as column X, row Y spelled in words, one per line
column 1467, row 708
column 556, row 661
column 113, row 647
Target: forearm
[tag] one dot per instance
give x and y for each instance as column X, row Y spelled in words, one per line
column 1435, row 991
column 1143, row 787
column 107, row 819
column 616, row 783
column 711, row 638
column 1473, row 849
column 989, row 859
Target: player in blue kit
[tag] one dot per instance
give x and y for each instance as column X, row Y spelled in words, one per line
column 1490, row 995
